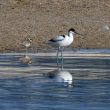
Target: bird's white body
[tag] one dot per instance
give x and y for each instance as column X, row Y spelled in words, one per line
column 62, row 41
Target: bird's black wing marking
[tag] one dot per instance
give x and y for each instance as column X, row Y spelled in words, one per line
column 52, row 40
column 58, row 38
column 63, row 36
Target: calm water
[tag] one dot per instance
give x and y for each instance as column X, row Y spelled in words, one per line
column 29, row 87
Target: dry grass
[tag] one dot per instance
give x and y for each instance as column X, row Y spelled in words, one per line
column 43, row 19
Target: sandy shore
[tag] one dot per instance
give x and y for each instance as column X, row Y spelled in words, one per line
column 41, row 20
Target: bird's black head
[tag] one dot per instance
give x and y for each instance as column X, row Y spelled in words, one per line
column 71, row 29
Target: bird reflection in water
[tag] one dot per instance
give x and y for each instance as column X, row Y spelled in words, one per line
column 62, row 77
column 25, row 59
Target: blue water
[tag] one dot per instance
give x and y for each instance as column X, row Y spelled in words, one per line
column 90, row 89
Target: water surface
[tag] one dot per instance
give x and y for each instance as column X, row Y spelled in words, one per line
column 28, row 87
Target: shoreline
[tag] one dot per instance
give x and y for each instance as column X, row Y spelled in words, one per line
column 68, row 54
column 67, row 51
column 13, row 68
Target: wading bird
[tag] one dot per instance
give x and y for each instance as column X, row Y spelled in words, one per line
column 62, row 41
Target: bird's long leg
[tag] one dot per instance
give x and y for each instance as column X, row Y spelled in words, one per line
column 26, row 50
column 58, row 58
column 62, row 58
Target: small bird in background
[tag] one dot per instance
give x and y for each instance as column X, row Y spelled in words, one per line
column 26, row 43
column 25, row 59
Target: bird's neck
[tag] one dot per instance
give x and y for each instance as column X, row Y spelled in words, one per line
column 70, row 34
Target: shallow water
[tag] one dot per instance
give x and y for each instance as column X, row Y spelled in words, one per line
column 29, row 87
